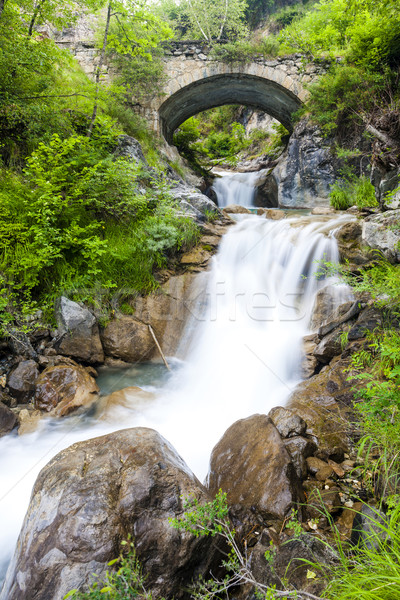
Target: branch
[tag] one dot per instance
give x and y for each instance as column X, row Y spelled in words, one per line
column 382, row 137
column 224, row 19
column 35, row 16
column 197, row 21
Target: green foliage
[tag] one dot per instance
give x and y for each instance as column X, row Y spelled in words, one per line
column 214, row 19
column 79, row 218
column 245, row 51
column 372, row 570
column 125, row 583
column 353, row 192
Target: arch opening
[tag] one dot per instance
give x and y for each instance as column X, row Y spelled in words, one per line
column 228, row 88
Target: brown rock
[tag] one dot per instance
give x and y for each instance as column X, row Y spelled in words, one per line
column 7, row 420
column 22, row 380
column 324, row 473
column 28, row 420
column 274, row 214
column 322, row 210
column 61, row 390
column 345, row 522
column 131, row 397
column 251, row 464
column 320, row 501
column 315, row 464
column 97, row 493
column 329, row 347
column 79, row 332
column 236, row 209
column 128, row 339
column 325, row 304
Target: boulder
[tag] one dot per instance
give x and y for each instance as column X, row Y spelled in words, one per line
column 300, row 448
column 328, row 305
column 63, row 389
column 79, row 332
column 28, row 420
column 382, row 233
column 328, row 347
column 92, row 496
column 128, row 339
column 22, row 380
column 266, row 195
column 7, row 420
column 324, row 402
column 251, row 464
column 128, row 147
column 274, row 214
column 192, row 201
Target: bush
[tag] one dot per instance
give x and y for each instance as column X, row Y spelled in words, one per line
column 354, row 192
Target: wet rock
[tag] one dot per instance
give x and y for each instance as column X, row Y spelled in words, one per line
column 169, row 309
column 287, row 422
column 251, row 464
column 79, row 330
column 351, row 246
column 342, row 314
column 7, row 420
column 7, row 399
column 128, row 147
column 95, row 494
column 274, row 214
column 368, row 320
column 133, row 398
column 128, row 339
column 236, row 209
column 369, row 527
column 315, row 464
column 382, row 233
column 326, row 303
column 63, row 389
column 322, row 210
column 345, row 522
column 309, row 363
column 306, row 171
column 22, row 380
column 28, row 421
column 328, row 347
column 300, row 448
column 324, row 402
column 266, row 194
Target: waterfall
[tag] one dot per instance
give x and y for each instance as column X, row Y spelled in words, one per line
column 235, row 188
column 244, row 356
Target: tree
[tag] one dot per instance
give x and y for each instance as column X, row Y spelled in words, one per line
column 216, row 19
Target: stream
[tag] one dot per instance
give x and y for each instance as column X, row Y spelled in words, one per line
column 244, row 355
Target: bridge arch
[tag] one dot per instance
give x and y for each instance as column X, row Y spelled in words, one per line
column 272, row 97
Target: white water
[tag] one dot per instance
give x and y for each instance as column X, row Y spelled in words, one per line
column 245, row 358
column 235, row 188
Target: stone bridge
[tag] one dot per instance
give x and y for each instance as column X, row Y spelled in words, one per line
column 195, row 82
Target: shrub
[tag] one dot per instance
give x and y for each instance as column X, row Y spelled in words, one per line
column 353, row 192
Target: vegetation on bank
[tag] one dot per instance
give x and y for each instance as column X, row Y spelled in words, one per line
column 74, row 218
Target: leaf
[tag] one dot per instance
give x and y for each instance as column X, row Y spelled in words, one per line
column 311, row 574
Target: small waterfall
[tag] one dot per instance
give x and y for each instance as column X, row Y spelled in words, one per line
column 235, row 188
column 244, row 356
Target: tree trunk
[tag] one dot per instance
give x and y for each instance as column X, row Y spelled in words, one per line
column 35, row 16
column 98, row 71
column 2, row 4
column 382, row 137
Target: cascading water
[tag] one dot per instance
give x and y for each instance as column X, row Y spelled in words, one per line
column 244, row 358
column 235, row 188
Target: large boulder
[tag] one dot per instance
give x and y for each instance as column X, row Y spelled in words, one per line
column 382, row 233
column 128, row 338
column 193, row 202
column 22, row 380
column 129, row 148
column 251, row 464
column 323, row 401
column 92, row 496
column 63, row 389
column 79, row 332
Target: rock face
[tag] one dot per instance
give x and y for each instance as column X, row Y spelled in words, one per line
column 305, row 172
column 23, row 379
column 62, row 389
column 79, row 330
column 193, row 202
column 382, row 233
column 128, row 339
column 95, row 494
column 251, row 464
column 128, row 147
